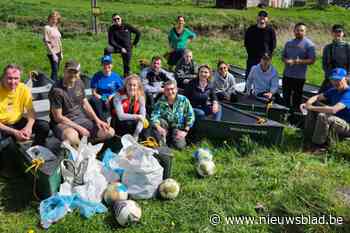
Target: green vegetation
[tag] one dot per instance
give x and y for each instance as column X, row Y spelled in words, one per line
column 283, row 179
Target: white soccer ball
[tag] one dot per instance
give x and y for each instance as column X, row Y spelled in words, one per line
column 127, row 212
column 206, row 168
column 115, row 192
column 203, row 154
column 169, row 189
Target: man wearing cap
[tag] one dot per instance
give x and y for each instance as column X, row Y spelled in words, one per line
column 327, row 122
column 263, row 80
column 297, row 54
column 258, row 40
column 104, row 85
column 15, row 100
column 335, row 54
column 71, row 114
column 119, row 41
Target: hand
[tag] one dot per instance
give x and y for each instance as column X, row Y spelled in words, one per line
column 19, row 135
column 307, row 106
column 83, row 132
column 186, row 81
column 162, row 131
column 140, row 117
column 54, row 57
column 27, row 132
column 289, row 61
column 268, row 95
column 215, row 107
column 180, row 134
column 102, row 125
column 123, row 50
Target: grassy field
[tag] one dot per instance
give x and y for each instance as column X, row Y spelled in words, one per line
column 286, row 181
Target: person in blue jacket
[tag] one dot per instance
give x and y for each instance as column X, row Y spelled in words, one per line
column 104, row 85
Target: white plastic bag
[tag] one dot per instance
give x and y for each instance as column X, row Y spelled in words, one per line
column 142, row 172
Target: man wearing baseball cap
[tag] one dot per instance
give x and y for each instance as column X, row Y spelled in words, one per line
column 71, row 114
column 104, row 85
column 325, row 123
column 258, row 40
column 335, row 54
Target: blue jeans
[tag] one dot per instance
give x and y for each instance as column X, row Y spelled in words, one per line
column 54, row 66
column 202, row 112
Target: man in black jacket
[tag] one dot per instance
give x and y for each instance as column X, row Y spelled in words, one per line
column 119, row 41
column 259, row 39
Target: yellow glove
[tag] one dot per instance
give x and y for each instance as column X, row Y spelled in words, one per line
column 145, row 123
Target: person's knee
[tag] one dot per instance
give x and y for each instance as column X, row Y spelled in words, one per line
column 105, row 134
column 72, row 136
column 180, row 144
column 43, row 127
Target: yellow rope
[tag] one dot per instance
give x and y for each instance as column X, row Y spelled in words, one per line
column 36, row 164
column 260, row 120
column 150, row 142
column 268, row 107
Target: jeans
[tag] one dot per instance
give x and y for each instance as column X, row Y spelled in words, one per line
column 100, row 108
column 126, row 57
column 54, row 66
column 202, row 112
column 292, row 92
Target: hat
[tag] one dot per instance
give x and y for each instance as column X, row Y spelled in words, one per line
column 106, row 59
column 263, row 14
column 338, row 74
column 72, row 65
column 337, row 28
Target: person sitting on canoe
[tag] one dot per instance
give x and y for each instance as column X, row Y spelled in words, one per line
column 324, row 124
column 129, row 104
column 71, row 114
column 104, row 85
column 172, row 117
column 186, row 69
column 263, row 80
column 201, row 94
column 15, row 100
column 153, row 78
column 224, row 83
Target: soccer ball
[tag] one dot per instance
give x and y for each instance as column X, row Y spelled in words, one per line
column 115, row 192
column 203, row 154
column 169, row 189
column 206, row 168
column 127, row 212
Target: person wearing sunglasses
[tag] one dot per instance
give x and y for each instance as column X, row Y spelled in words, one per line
column 120, row 41
column 336, row 54
column 224, row 83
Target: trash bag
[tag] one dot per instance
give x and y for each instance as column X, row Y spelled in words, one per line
column 142, row 172
column 112, row 175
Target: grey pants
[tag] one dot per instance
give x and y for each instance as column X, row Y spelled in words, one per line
column 177, row 143
column 322, row 127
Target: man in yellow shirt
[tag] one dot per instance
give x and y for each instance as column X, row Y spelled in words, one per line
column 15, row 100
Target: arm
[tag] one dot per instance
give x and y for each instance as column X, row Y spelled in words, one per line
column 273, row 40
column 190, row 117
column 325, row 59
column 232, row 83
column 139, row 125
column 250, row 80
column 156, row 115
column 122, row 116
column 111, row 39
column 89, row 110
column 59, row 118
column 137, row 34
column 274, row 83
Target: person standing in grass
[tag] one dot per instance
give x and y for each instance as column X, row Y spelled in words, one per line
column 104, row 85
column 119, row 41
column 178, row 38
column 263, row 80
column 172, row 117
column 258, row 40
column 130, row 108
column 201, row 93
column 324, row 124
column 71, row 114
column 297, row 54
column 335, row 54
column 186, row 69
column 224, row 83
column 53, row 43
column 17, row 116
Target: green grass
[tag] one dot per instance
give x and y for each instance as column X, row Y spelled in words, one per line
column 283, row 179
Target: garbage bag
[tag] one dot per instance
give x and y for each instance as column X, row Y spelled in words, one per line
column 142, row 172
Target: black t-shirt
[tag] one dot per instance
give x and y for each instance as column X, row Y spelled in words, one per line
column 70, row 100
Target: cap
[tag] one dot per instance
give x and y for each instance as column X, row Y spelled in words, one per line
column 338, row 74
column 106, row 59
column 263, row 14
column 337, row 28
column 72, row 65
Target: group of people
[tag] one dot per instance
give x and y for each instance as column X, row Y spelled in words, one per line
column 172, row 101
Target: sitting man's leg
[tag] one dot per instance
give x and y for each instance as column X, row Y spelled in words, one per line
column 309, row 125
column 321, row 132
column 338, row 128
column 199, row 113
column 179, row 143
column 97, row 106
column 41, row 130
column 161, row 138
column 72, row 136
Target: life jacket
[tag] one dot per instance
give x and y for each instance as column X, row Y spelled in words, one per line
column 130, row 105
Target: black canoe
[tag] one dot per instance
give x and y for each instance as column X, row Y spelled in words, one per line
column 236, row 123
column 239, row 73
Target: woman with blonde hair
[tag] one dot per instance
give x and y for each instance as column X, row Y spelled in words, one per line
column 129, row 104
column 201, row 93
column 53, row 43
